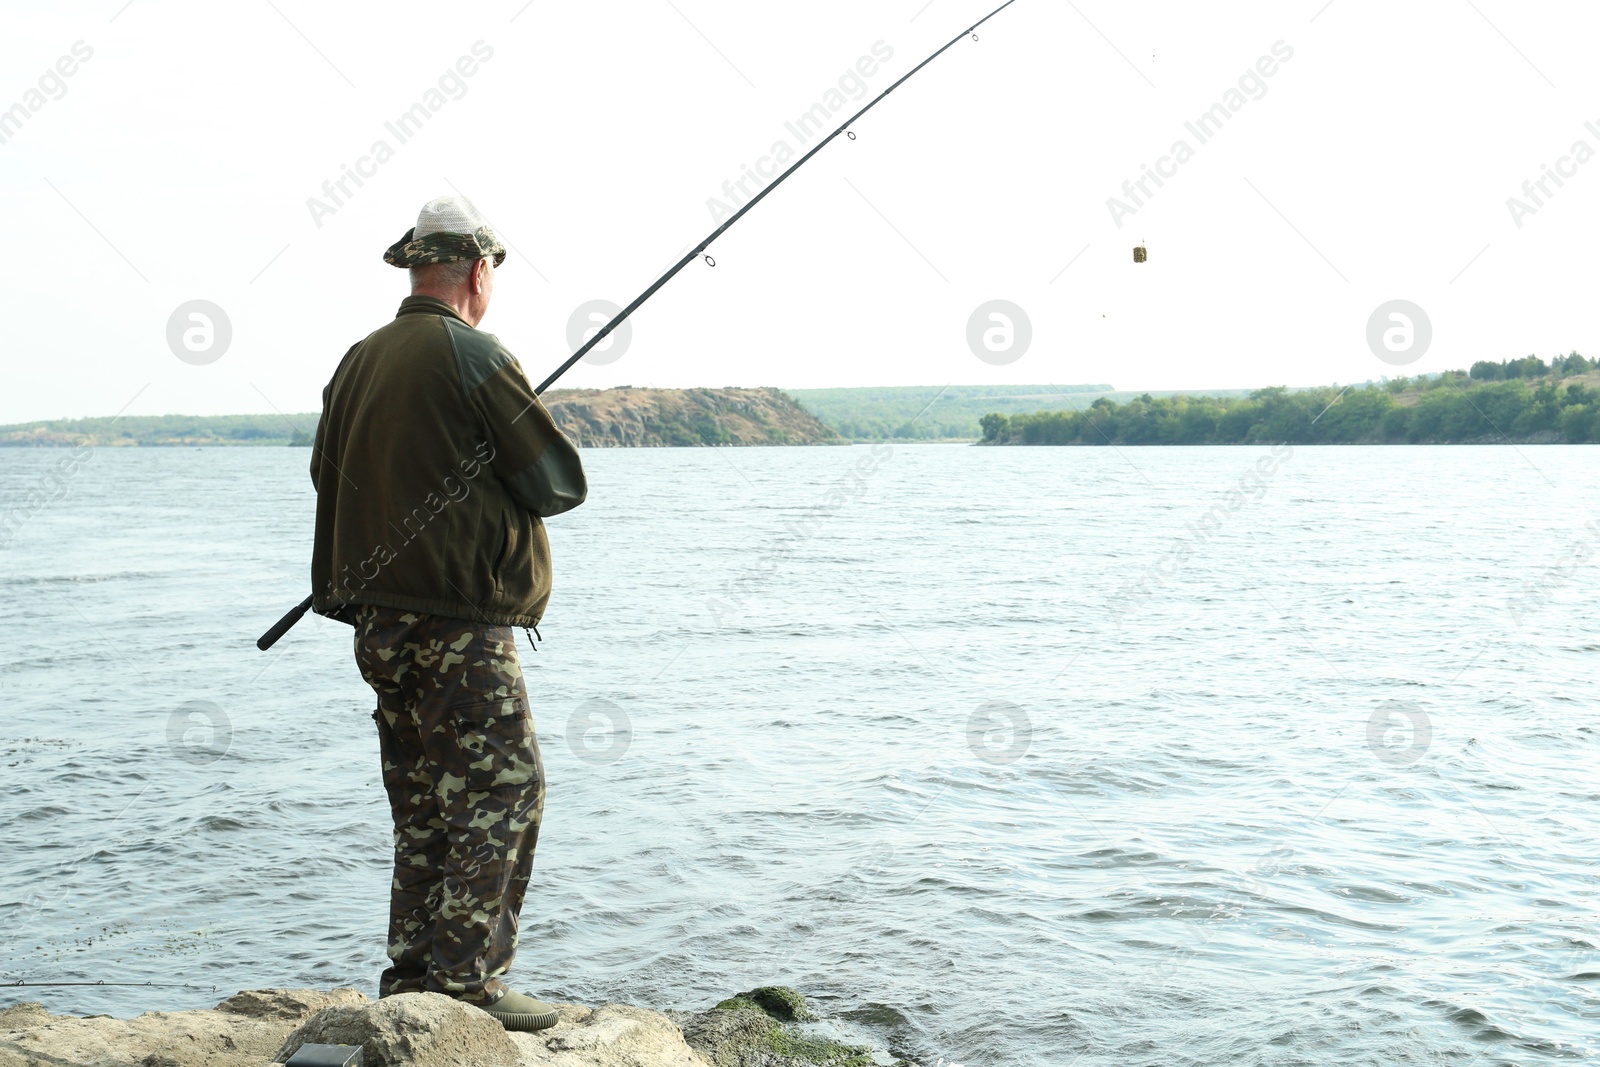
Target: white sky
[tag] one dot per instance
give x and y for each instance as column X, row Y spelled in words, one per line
column 178, row 162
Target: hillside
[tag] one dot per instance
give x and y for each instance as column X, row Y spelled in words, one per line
column 594, row 418
column 932, row 412
column 654, row 418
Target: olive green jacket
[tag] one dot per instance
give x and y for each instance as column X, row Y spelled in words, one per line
column 434, row 463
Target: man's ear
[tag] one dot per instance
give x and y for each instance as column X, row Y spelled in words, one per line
column 480, row 275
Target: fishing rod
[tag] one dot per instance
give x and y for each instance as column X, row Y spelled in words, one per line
column 283, row 625
column 127, row 985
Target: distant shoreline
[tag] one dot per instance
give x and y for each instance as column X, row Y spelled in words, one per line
column 624, row 416
column 1518, row 402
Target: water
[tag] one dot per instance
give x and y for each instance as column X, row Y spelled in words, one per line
column 910, row 739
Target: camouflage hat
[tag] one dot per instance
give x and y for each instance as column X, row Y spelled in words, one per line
column 448, row 230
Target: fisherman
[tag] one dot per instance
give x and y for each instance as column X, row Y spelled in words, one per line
column 434, row 465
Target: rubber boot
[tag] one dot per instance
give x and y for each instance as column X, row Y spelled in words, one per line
column 518, row 1012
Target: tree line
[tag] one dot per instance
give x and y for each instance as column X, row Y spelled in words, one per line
column 1523, row 400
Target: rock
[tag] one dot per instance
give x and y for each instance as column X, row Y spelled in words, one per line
column 258, row 1027
column 21, row 1016
column 778, row 1001
column 293, row 1004
column 410, row 1030
column 730, row 1037
column 614, row 1035
column 756, row 1029
column 243, row 1035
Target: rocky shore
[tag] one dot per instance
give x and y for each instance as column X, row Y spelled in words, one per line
column 766, row 1027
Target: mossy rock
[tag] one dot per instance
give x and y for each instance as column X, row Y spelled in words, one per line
column 739, row 1003
column 778, row 1001
column 754, row 1029
column 792, row 1044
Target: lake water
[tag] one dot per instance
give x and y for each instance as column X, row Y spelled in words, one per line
column 1006, row 756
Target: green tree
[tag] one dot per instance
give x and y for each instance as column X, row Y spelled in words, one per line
column 1396, row 424
column 1198, row 423
column 1526, row 367
column 1357, row 416
column 1576, row 420
column 1536, row 412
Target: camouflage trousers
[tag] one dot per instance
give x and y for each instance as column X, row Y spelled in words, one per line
column 466, row 787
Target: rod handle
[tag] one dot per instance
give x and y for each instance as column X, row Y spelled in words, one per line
column 283, row 625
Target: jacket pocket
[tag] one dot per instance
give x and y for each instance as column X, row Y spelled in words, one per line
column 508, row 548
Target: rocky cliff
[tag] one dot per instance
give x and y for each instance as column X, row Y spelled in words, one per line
column 655, row 418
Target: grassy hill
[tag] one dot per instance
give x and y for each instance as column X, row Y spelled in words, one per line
column 904, row 412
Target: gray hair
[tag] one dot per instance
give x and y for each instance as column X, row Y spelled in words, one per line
column 451, row 274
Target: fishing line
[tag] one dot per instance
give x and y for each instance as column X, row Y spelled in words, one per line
column 699, row 249
column 109, row 985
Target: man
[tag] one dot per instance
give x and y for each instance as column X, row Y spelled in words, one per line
column 434, row 464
